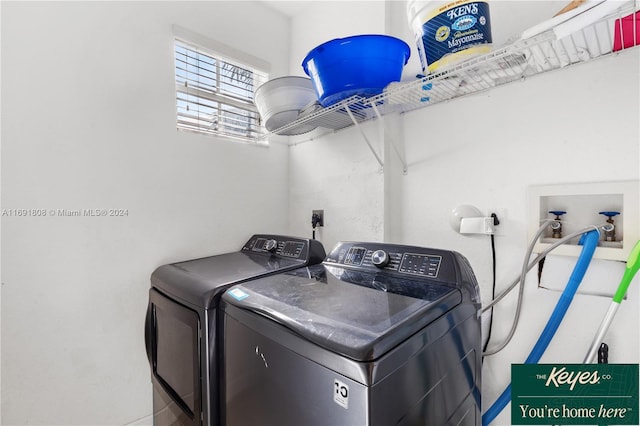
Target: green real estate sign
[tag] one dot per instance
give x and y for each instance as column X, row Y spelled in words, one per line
column 574, row 394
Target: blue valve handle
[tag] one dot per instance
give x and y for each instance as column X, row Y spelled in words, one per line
column 557, row 212
column 610, row 214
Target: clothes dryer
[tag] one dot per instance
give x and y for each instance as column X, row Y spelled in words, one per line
column 181, row 329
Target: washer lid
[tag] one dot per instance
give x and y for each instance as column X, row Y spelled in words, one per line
column 357, row 314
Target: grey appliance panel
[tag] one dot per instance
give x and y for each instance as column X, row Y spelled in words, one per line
column 268, row 384
column 174, row 355
column 273, row 378
column 200, row 281
column 428, row 265
column 357, row 314
column 439, row 265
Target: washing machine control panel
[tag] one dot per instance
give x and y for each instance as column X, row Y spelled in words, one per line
column 421, row 264
column 355, row 256
column 287, row 247
column 416, row 261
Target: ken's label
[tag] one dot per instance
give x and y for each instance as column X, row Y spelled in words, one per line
column 459, row 26
column 341, row 393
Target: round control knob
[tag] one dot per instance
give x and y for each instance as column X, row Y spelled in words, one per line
column 271, row 246
column 380, row 258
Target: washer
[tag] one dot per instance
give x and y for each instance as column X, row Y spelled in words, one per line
column 181, row 328
column 378, row 334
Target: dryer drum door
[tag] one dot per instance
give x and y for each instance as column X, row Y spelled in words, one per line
column 173, row 350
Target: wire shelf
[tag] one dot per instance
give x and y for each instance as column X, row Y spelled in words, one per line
column 580, row 36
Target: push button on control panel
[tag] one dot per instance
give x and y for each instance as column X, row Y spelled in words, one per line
column 292, row 249
column 420, row 264
column 355, row 256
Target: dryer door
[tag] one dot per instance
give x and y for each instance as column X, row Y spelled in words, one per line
column 173, row 349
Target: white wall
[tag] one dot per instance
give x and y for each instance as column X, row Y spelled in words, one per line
column 321, row 21
column 349, row 188
column 336, row 173
column 575, row 125
column 88, row 121
column 548, row 129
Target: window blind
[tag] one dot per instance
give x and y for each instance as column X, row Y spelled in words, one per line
column 214, row 95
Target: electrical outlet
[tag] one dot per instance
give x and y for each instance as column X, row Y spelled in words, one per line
column 319, row 216
column 501, row 212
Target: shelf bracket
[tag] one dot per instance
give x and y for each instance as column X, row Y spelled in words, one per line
column 373, row 151
column 391, row 139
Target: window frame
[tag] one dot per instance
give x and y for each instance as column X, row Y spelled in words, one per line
column 207, row 96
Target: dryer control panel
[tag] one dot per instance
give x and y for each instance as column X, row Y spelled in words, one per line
column 283, row 246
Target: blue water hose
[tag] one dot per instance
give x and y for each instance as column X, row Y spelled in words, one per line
column 589, row 242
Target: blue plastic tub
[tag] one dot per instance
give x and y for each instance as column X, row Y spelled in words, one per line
column 360, row 65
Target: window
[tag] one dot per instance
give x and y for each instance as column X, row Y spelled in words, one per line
column 214, row 95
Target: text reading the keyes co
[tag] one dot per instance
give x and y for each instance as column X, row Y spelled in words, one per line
column 574, row 394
